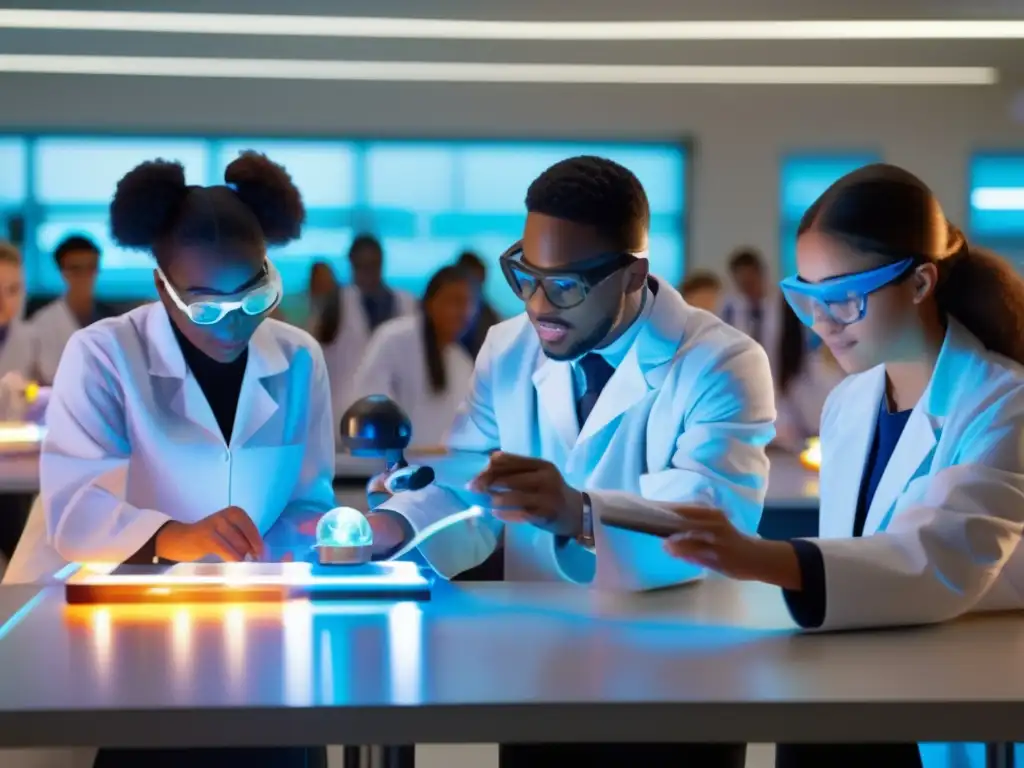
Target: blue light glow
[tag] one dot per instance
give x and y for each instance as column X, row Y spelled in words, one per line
column 343, row 527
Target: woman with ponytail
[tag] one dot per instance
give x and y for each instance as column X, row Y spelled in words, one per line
column 193, row 428
column 419, row 361
column 922, row 474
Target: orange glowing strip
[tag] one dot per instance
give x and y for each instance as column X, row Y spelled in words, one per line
column 810, row 457
column 239, row 575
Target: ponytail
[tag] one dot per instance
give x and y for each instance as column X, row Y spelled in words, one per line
column 985, row 294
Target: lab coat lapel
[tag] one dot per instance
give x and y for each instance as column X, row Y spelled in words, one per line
column 845, row 452
column 175, row 385
column 952, row 375
column 915, row 445
column 647, row 361
column 256, row 405
column 557, row 398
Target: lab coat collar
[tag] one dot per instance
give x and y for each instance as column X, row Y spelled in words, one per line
column 255, row 403
column 643, row 368
column 924, row 426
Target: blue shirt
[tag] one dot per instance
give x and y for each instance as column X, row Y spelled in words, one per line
column 808, row 605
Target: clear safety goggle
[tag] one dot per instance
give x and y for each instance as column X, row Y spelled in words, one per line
column 841, row 300
column 210, row 310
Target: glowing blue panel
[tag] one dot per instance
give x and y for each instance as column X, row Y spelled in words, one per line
column 323, row 171
column 496, row 176
column 997, row 196
column 76, row 171
column 12, row 171
column 803, row 179
column 410, row 176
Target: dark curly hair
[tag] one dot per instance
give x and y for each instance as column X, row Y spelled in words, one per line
column 598, row 193
column 154, row 209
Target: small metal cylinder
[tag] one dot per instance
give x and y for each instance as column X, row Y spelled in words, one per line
column 344, row 555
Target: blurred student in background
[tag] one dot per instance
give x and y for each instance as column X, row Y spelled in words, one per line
column 419, row 362
column 17, row 348
column 702, row 289
column 346, row 324
column 78, row 259
column 486, row 317
column 753, row 305
column 807, row 373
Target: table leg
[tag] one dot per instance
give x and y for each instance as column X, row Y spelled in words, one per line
column 999, row 755
column 380, row 757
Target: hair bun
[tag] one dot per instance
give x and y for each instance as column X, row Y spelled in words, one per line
column 268, row 191
column 145, row 201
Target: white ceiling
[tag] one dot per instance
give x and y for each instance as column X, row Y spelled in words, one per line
column 1006, row 56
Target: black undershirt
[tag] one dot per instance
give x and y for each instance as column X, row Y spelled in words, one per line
column 221, row 384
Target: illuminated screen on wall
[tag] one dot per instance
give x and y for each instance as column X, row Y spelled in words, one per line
column 803, row 179
column 427, row 201
column 997, row 204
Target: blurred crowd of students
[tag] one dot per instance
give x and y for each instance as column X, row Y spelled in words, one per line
column 803, row 369
column 417, row 350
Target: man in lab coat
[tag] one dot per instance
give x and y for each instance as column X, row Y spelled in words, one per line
column 608, row 391
column 78, row 259
column 753, row 305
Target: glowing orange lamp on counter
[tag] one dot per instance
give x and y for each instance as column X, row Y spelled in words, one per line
column 810, row 457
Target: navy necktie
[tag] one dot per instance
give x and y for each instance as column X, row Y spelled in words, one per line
column 597, row 372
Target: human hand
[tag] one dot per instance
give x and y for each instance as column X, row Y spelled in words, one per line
column 377, row 491
column 388, row 533
column 708, row 538
column 230, row 534
column 528, row 490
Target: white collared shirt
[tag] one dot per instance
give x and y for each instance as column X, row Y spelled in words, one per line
column 615, row 352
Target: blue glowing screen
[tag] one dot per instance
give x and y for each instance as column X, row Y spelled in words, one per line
column 427, row 201
column 802, row 180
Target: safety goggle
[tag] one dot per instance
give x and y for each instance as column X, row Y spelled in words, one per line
column 210, row 310
column 841, row 300
column 564, row 289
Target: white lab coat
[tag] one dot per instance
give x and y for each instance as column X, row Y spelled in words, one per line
column 19, row 352
column 346, row 351
column 801, row 405
column 132, row 442
column 395, row 364
column 942, row 532
column 685, row 417
column 735, row 310
column 52, row 326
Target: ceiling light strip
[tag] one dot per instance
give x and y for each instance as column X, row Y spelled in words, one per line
column 481, row 72
column 474, row 29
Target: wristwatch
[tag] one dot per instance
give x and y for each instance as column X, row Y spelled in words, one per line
column 586, row 537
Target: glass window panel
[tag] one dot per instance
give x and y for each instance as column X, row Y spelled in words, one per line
column 803, row 179
column 410, row 176
column 13, row 174
column 323, row 171
column 86, row 170
column 496, row 176
column 997, row 197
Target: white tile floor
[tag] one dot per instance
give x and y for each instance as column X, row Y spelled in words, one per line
column 486, row 756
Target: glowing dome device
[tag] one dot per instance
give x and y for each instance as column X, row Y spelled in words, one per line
column 344, row 537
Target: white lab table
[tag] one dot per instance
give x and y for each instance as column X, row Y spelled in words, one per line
column 718, row 661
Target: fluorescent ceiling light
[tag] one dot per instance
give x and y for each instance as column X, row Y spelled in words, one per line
column 472, row 29
column 998, row 198
column 486, row 72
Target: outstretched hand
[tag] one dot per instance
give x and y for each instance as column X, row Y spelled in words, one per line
column 528, row 490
